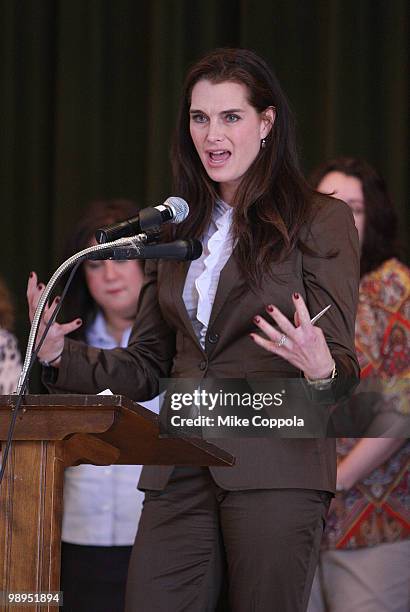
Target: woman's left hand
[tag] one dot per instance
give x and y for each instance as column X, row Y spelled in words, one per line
column 303, row 345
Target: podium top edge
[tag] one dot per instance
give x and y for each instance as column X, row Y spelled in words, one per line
column 70, row 399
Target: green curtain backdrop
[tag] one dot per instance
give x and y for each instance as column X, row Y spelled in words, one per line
column 89, row 91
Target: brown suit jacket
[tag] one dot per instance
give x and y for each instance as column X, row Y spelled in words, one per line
column 163, row 344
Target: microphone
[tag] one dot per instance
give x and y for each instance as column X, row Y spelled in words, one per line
column 182, row 250
column 173, row 210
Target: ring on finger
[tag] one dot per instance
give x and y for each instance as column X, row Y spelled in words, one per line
column 282, row 340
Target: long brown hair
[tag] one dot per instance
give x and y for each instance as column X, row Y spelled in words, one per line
column 380, row 222
column 273, row 200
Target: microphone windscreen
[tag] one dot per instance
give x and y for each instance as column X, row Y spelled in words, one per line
column 179, row 208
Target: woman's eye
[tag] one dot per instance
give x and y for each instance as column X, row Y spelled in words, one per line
column 232, row 118
column 199, row 118
column 93, row 265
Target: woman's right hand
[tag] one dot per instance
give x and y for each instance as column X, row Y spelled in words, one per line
column 53, row 345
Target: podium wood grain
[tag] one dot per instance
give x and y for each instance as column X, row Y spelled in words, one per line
column 53, row 432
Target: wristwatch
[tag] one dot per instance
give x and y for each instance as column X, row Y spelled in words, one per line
column 323, row 383
column 48, row 364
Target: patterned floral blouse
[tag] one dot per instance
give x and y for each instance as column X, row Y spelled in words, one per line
column 10, row 363
column 377, row 509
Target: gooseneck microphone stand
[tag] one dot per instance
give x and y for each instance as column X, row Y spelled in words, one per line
column 135, row 242
column 133, row 246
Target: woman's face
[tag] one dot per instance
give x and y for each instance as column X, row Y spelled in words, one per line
column 115, row 285
column 349, row 189
column 226, row 131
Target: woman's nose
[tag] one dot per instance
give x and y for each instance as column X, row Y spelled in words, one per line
column 110, row 270
column 215, row 131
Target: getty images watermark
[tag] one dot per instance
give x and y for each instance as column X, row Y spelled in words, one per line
column 215, row 401
column 284, row 407
column 237, row 408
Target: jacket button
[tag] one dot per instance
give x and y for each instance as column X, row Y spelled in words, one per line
column 202, row 365
column 213, row 338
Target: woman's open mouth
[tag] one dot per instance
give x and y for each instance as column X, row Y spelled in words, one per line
column 218, row 158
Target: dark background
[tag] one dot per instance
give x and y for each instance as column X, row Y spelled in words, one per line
column 89, row 91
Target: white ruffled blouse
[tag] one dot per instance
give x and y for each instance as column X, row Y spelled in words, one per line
column 203, row 276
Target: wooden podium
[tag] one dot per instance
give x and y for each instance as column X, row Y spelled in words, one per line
column 56, row 431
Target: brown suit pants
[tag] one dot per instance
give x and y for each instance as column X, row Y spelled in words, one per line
column 194, row 537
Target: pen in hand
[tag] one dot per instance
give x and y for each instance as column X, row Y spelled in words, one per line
column 320, row 314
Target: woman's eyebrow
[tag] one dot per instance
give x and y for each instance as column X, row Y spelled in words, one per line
column 223, row 112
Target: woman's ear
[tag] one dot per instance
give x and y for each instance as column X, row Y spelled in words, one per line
column 268, row 119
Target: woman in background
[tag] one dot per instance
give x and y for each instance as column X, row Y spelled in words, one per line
column 101, row 504
column 365, row 564
column 10, row 361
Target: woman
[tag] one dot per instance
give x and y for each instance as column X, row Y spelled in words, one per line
column 101, row 504
column 365, row 564
column 10, row 362
column 267, row 243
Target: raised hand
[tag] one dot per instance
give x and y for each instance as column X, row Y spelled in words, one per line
column 53, row 345
column 303, row 345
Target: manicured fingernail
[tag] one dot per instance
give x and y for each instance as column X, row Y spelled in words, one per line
column 256, row 320
column 57, row 299
column 31, row 274
column 270, row 308
column 79, row 321
column 41, row 286
column 296, row 295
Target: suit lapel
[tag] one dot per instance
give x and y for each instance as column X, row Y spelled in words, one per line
column 229, row 278
column 178, row 277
